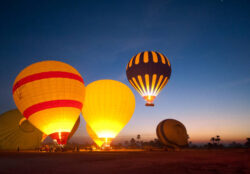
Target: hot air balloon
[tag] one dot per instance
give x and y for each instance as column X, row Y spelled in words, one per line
column 74, row 129
column 70, row 134
column 108, row 107
column 99, row 142
column 17, row 133
column 50, row 95
column 172, row 133
column 148, row 72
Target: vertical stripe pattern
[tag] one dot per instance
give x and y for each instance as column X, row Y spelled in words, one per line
column 148, row 72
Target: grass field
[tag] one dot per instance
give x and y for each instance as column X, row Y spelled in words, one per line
column 189, row 161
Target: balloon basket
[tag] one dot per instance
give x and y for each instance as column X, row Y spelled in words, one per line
column 149, row 104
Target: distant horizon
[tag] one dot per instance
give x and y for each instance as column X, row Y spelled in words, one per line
column 206, row 42
column 87, row 139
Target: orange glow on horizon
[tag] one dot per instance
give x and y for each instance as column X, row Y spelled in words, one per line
column 107, row 141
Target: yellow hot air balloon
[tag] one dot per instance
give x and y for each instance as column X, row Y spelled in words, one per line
column 50, row 95
column 93, row 136
column 108, row 107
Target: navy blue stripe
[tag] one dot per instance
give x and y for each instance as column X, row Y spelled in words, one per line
column 141, row 58
column 150, row 56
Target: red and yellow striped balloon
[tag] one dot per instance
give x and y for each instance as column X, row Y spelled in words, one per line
column 50, row 95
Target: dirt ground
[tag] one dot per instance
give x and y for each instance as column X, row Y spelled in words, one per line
column 188, row 161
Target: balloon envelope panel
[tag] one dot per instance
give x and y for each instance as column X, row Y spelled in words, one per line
column 74, row 129
column 93, row 136
column 148, row 72
column 16, row 131
column 172, row 133
column 50, row 95
column 108, row 107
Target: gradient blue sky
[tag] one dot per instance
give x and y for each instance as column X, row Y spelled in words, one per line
column 206, row 41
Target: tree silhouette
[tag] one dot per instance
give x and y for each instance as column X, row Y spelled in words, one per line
column 212, row 139
column 138, row 137
column 235, row 145
column 217, row 139
column 247, row 144
column 126, row 143
column 132, row 142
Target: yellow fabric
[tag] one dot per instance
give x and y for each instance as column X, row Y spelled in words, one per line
column 147, row 82
column 108, row 107
column 141, row 83
column 93, row 136
column 132, row 83
column 155, row 58
column 46, row 90
column 162, row 58
column 162, row 86
column 153, row 83
column 131, row 61
column 59, row 119
column 137, row 85
column 158, row 83
column 137, row 58
column 44, row 66
column 145, row 57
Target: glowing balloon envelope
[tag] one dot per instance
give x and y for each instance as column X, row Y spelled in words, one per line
column 99, row 142
column 50, row 95
column 108, row 107
column 148, row 72
column 16, row 132
column 74, row 129
column 172, row 133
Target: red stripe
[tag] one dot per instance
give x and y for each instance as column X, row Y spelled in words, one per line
column 61, row 139
column 45, row 75
column 51, row 104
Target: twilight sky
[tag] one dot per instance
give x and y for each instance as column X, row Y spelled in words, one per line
column 207, row 43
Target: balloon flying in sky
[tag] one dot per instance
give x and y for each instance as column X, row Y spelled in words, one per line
column 148, row 72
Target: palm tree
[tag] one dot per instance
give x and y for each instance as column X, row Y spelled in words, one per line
column 138, row 137
column 132, row 142
column 126, row 143
column 247, row 144
column 212, row 139
column 218, row 139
